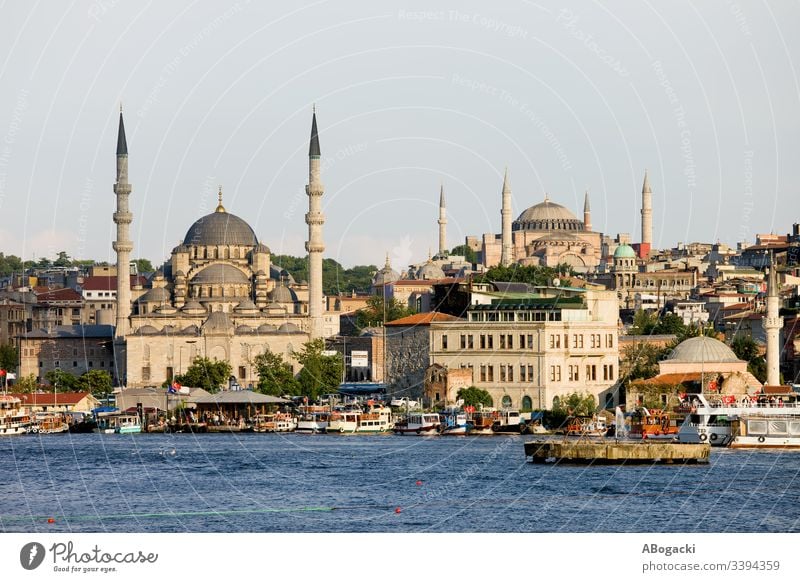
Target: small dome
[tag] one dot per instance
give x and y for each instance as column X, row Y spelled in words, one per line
column 244, row 329
column 146, row 330
column 624, row 252
column 169, row 329
column 702, row 349
column 264, row 328
column 246, row 306
column 193, row 308
column 282, row 294
column 157, row 295
column 275, row 272
column 166, row 310
column 191, row 330
column 220, row 273
column 288, row 327
column 220, row 228
column 385, row 275
column 430, row 271
column 547, row 215
column 217, row 321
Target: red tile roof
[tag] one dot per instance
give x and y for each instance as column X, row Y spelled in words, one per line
column 58, row 295
column 50, row 399
column 424, row 319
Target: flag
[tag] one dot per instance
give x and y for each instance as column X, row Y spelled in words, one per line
column 2, row 372
column 173, row 388
column 10, row 376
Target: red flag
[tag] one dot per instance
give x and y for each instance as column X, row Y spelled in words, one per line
column 2, row 372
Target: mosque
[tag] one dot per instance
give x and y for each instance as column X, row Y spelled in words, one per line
column 218, row 296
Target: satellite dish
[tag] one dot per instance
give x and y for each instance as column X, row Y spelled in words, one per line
column 556, row 282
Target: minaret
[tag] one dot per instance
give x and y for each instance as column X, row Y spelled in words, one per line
column 442, row 223
column 772, row 325
column 123, row 245
column 507, row 253
column 314, row 219
column 587, row 213
column 647, row 217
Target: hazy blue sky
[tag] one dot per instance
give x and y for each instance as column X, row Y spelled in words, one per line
column 569, row 96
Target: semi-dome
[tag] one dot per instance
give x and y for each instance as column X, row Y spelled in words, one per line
column 702, row 349
column 220, row 273
column 246, row 306
column 156, row 295
column 282, row 294
column 288, row 327
column 624, row 252
column 146, row 330
column 220, row 228
column 547, row 215
column 265, row 328
column 193, row 308
column 244, row 329
column 217, row 321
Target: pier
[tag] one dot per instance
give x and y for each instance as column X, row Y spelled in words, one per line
column 616, row 452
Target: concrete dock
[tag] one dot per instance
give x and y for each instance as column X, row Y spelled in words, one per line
column 615, row 452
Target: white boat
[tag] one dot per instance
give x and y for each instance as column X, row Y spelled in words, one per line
column 13, row 420
column 709, row 419
column 378, row 419
column 418, row 423
column 343, row 421
column 275, row 422
column 118, row 423
column 313, row 419
column 454, row 422
column 757, row 431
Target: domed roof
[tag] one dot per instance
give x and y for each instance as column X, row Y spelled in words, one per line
column 191, row 330
column 386, row 274
column 430, row 271
column 220, row 273
column 217, row 321
column 220, row 228
column 547, row 215
column 244, row 329
column 156, row 295
column 245, row 306
column 702, row 349
column 282, row 294
column 193, row 307
column 265, row 328
column 624, row 252
column 146, row 330
column 288, row 327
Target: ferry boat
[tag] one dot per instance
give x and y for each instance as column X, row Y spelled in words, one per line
column 420, row 423
column 454, row 422
column 118, row 423
column 483, row 421
column 44, row 423
column 275, row 422
column 378, row 419
column 509, row 421
column 709, row 419
column 758, row 431
column 586, row 426
column 13, row 421
column 652, row 425
column 313, row 419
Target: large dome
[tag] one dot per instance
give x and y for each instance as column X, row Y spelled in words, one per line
column 547, row 215
column 220, row 228
column 702, row 349
column 220, row 274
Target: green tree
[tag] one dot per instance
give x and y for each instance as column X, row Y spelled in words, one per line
column 144, row 266
column 8, row 357
column 98, row 382
column 373, row 314
column 63, row 260
column 745, row 348
column 26, row 384
column 574, row 404
column 465, row 251
column 10, row 264
column 640, row 360
column 474, row 396
column 643, row 323
column 204, row 373
column 321, row 374
column 61, row 380
column 532, row 274
column 275, row 377
column 335, row 278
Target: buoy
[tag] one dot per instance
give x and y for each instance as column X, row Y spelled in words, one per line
column 419, row 482
column 397, row 510
column 50, row 520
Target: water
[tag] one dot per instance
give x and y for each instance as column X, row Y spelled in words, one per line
column 305, row 483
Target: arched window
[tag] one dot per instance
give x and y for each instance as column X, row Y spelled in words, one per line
column 506, row 402
column 527, row 403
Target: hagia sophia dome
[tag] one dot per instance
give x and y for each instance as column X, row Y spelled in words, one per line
column 547, row 216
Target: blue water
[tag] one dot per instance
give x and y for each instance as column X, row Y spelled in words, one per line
column 304, row 483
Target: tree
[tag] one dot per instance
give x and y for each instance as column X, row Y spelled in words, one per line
column 373, row 313
column 643, row 323
column 275, row 377
column 474, row 396
column 532, row 274
column 640, row 360
column 321, row 374
column 98, row 382
column 571, row 405
column 464, row 250
column 63, row 260
column 204, row 373
column 61, row 380
column 8, row 357
column 26, row 384
column 144, row 266
column 745, row 348
column 10, row 264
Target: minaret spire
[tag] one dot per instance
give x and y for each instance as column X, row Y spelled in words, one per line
column 647, row 217
column 772, row 325
column 587, row 213
column 315, row 245
column 123, row 245
column 507, row 252
column 442, row 223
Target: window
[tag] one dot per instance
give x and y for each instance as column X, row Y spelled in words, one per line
column 608, row 371
column 591, row 373
column 490, row 342
column 530, row 372
column 522, row 341
column 510, row 342
column 444, row 341
column 483, row 373
column 491, row 373
column 555, row 341
column 555, row 373
column 573, row 373
column 74, row 364
column 502, row 341
column 502, row 372
column 506, row 402
column 470, row 342
column 522, row 372
column 609, row 340
column 463, row 341
column 577, row 341
column 510, row 373
column 530, row 341
column 242, row 372
column 527, row 403
column 483, row 342
column 169, row 373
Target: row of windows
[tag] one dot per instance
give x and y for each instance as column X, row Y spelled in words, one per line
column 515, row 315
column 90, row 363
column 573, row 373
column 578, row 341
column 486, row 341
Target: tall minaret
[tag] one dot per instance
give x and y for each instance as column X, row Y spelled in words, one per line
column 587, row 213
column 507, row 253
column 647, row 214
column 772, row 325
column 123, row 245
column 442, row 223
column 314, row 219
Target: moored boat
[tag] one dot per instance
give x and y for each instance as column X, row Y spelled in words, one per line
column 652, row 425
column 454, row 423
column 419, row 423
column 586, row 426
column 118, row 423
column 275, row 422
column 48, row 424
column 313, row 419
column 757, row 431
column 13, row 420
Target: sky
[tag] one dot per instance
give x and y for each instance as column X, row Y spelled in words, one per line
column 570, row 97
